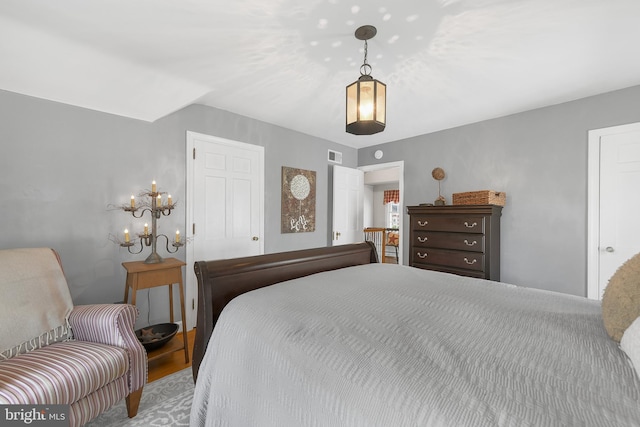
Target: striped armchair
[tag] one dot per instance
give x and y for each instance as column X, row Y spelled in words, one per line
column 87, row 357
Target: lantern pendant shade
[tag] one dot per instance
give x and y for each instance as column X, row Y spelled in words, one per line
column 366, row 106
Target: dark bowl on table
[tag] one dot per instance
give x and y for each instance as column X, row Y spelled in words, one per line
column 155, row 336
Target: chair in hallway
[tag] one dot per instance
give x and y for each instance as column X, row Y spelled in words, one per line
column 393, row 239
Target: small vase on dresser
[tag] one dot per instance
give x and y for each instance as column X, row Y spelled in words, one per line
column 459, row 239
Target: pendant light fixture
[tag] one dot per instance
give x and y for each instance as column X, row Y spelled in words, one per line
column 366, row 97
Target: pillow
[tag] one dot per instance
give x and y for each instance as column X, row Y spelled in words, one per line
column 630, row 344
column 621, row 299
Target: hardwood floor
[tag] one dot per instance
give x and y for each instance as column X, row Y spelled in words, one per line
column 173, row 362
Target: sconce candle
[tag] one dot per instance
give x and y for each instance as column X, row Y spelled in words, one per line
column 127, row 239
column 159, row 203
column 154, row 188
column 169, row 200
column 133, row 202
column 177, row 236
column 146, row 229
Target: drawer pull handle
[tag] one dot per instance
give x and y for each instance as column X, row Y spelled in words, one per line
column 422, row 223
column 422, row 239
column 422, row 255
column 466, row 224
column 466, row 242
column 470, row 262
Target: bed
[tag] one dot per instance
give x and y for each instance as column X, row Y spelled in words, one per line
column 330, row 337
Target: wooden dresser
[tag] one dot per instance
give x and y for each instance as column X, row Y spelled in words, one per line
column 460, row 239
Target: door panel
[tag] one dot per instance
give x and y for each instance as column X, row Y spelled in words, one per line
column 227, row 185
column 225, row 206
column 348, row 205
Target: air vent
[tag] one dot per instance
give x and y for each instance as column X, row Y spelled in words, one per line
column 335, row 157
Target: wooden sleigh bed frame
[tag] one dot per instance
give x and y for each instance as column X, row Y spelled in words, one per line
column 222, row 280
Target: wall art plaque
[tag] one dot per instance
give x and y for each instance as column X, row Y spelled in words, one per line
column 298, row 200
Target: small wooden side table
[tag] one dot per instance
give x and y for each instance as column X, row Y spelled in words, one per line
column 144, row 276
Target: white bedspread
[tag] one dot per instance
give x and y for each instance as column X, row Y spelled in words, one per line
column 387, row 345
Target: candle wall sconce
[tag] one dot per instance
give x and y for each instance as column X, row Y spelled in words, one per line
column 157, row 208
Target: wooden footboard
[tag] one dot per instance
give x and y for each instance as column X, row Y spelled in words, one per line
column 222, row 280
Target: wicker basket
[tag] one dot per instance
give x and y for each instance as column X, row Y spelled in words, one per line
column 484, row 197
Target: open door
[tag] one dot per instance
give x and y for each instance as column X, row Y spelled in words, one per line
column 348, row 205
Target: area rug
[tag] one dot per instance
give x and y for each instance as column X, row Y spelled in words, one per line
column 165, row 402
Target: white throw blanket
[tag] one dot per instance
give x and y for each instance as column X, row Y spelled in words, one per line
column 35, row 296
column 387, row 345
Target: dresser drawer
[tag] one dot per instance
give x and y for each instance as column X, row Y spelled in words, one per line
column 458, row 241
column 462, row 224
column 458, row 259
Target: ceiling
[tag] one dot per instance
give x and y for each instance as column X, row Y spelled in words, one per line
column 287, row 62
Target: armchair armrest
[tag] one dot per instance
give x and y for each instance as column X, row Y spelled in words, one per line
column 112, row 324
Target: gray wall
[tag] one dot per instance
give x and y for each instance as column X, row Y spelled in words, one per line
column 62, row 169
column 539, row 158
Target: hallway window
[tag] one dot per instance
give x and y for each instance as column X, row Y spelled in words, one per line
column 391, row 202
column 393, row 215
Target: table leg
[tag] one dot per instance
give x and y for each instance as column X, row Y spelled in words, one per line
column 134, row 288
column 133, row 296
column 171, row 302
column 126, row 289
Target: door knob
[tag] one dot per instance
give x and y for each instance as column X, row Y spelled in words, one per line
column 609, row 249
column 255, row 238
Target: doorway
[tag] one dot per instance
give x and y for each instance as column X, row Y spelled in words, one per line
column 613, row 182
column 383, row 176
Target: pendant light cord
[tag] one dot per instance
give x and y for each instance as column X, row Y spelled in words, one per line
column 365, row 52
column 365, row 69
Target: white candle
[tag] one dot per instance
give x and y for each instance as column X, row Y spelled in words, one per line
column 154, row 188
column 126, row 236
column 146, row 229
column 177, row 236
column 133, row 202
column 169, row 200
